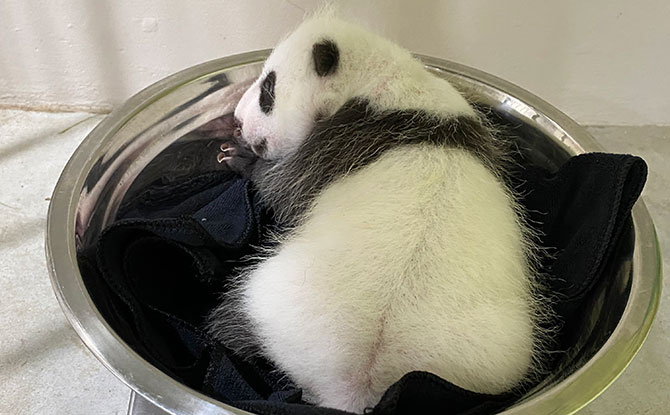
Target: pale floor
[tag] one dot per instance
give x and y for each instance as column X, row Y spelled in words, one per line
column 44, row 367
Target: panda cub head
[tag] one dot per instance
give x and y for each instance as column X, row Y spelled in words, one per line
column 321, row 66
column 295, row 88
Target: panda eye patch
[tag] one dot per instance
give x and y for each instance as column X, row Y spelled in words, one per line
column 267, row 97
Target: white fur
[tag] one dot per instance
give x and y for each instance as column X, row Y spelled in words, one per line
column 369, row 66
column 415, row 262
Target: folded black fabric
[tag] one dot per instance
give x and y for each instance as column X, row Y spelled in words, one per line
column 158, row 270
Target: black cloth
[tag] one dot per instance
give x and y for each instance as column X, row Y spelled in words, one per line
column 157, row 271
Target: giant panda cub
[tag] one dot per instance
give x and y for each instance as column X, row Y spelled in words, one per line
column 405, row 250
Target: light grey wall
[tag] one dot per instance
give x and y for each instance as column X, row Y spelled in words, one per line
column 600, row 61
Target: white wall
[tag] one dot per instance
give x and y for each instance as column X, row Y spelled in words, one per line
column 601, row 61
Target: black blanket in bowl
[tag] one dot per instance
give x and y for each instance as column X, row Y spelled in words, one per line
column 158, row 270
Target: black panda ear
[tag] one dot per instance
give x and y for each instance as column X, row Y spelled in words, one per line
column 326, row 57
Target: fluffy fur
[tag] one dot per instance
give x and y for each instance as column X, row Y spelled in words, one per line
column 405, row 251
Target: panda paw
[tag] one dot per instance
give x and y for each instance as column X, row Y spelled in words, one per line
column 227, row 152
column 237, row 157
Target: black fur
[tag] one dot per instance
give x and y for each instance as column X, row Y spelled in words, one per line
column 326, row 57
column 266, row 100
column 355, row 136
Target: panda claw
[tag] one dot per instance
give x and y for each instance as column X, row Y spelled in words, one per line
column 237, row 157
column 221, row 157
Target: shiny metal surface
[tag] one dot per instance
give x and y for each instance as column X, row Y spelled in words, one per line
column 107, row 166
column 140, row 406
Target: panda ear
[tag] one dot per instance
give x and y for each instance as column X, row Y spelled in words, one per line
column 326, row 57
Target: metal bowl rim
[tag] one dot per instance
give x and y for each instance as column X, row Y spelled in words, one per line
column 175, row 397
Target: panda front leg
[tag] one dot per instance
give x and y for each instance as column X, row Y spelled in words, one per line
column 238, row 157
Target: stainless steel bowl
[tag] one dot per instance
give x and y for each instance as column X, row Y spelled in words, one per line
column 107, row 164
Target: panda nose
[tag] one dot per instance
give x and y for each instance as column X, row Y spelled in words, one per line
column 237, row 132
